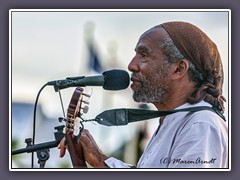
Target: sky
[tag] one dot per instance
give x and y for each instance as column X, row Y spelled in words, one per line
column 50, row 45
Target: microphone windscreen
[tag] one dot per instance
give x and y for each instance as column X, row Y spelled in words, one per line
column 116, row 80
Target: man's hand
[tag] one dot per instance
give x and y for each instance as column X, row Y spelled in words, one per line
column 86, row 149
column 76, row 151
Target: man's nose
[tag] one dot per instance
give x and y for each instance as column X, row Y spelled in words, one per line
column 133, row 65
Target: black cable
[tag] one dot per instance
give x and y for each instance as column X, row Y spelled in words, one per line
column 34, row 120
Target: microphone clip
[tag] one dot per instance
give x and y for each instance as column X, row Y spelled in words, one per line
column 62, row 84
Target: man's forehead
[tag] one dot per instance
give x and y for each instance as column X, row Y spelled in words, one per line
column 155, row 31
column 141, row 47
column 153, row 36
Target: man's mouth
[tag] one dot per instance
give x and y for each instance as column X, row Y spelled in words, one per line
column 136, row 83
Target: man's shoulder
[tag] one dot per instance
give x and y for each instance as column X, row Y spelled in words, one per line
column 207, row 115
column 206, row 118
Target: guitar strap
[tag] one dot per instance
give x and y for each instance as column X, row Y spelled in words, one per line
column 123, row 116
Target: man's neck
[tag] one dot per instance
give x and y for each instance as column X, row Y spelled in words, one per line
column 170, row 105
column 176, row 99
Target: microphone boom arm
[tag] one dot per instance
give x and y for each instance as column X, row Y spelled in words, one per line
column 32, row 148
column 77, row 81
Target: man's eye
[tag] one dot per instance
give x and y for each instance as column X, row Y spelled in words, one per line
column 144, row 55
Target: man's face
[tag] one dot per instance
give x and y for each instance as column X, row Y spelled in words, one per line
column 149, row 72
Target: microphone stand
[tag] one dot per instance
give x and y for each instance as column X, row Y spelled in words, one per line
column 42, row 149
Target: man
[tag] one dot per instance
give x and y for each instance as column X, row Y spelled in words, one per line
column 176, row 66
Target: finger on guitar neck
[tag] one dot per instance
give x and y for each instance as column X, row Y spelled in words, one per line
column 76, row 152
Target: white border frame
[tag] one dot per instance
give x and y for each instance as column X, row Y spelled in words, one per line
column 118, row 10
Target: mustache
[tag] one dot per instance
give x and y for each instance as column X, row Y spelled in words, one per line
column 141, row 78
column 138, row 76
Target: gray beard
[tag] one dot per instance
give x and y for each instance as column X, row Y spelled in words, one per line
column 154, row 89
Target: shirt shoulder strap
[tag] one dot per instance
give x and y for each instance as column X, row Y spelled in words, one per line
column 123, row 116
column 137, row 114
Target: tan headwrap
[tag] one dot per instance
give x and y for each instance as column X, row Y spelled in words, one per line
column 197, row 47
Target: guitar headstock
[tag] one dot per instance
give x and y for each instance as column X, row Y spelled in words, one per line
column 74, row 125
column 75, row 111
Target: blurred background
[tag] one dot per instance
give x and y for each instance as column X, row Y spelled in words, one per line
column 52, row 45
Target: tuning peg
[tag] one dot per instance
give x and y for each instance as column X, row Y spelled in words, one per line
column 85, row 109
column 76, row 131
column 60, row 119
column 77, row 121
column 87, row 95
column 86, row 102
column 64, row 130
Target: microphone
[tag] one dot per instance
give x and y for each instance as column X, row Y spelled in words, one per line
column 110, row 80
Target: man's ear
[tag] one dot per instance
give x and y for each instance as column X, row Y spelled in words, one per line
column 180, row 69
